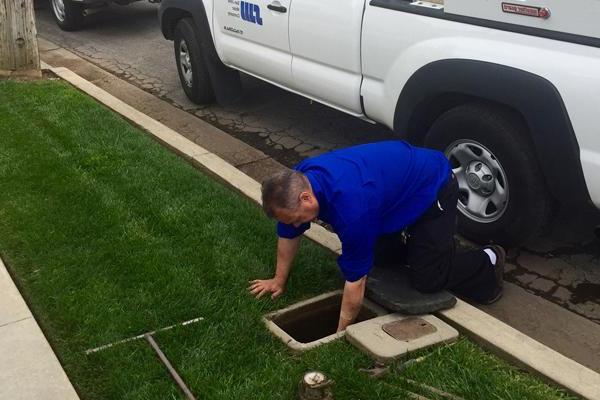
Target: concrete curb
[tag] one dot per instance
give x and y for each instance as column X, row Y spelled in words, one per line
column 522, row 350
column 489, row 331
column 29, row 367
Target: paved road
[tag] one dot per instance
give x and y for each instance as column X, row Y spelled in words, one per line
column 126, row 40
column 563, row 266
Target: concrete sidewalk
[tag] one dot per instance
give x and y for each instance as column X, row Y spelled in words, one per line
column 29, row 368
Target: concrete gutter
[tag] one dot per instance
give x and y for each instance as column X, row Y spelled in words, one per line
column 492, row 333
column 29, row 368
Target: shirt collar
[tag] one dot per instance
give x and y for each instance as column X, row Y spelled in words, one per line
column 317, row 190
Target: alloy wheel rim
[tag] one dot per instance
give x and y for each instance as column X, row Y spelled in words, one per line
column 59, row 9
column 482, row 183
column 185, row 63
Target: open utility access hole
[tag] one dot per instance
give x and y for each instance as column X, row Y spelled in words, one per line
column 318, row 319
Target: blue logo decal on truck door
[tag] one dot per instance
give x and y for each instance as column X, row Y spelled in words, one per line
column 250, row 12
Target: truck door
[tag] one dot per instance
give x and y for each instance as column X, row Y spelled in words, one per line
column 253, row 36
column 325, row 45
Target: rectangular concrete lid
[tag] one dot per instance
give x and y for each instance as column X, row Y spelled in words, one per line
column 401, row 337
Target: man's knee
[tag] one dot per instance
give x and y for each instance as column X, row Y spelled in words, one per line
column 430, row 280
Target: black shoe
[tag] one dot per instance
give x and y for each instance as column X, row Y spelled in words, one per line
column 500, row 260
column 497, row 296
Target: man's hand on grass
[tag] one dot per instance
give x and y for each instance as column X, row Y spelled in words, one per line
column 260, row 287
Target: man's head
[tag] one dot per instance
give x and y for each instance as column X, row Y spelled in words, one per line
column 288, row 197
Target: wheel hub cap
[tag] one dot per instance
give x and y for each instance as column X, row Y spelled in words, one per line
column 185, row 63
column 480, row 178
column 58, row 7
column 482, row 183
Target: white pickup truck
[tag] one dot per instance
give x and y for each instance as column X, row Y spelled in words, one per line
column 509, row 90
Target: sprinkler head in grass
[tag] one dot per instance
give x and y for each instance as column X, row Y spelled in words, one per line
column 315, row 386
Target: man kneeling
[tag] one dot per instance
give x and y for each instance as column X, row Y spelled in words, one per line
column 381, row 192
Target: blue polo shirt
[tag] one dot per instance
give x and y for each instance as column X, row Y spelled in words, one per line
column 369, row 190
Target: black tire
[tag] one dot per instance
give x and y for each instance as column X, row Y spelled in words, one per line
column 519, row 204
column 69, row 16
column 194, row 76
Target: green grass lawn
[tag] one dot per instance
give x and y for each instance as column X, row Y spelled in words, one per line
column 109, row 235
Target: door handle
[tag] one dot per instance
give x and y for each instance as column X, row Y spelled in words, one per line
column 277, row 7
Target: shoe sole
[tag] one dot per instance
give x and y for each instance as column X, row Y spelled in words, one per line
column 494, row 299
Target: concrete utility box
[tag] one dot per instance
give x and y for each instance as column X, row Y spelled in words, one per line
column 578, row 17
column 313, row 322
column 393, row 336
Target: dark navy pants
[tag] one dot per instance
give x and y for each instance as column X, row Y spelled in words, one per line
column 428, row 250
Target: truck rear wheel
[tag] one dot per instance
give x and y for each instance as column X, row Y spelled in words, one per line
column 191, row 66
column 503, row 197
column 69, row 16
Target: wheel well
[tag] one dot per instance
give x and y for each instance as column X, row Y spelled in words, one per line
column 170, row 19
column 429, row 110
column 433, row 110
column 426, row 112
column 438, row 86
column 225, row 81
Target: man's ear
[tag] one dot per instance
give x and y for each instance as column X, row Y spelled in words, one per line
column 305, row 197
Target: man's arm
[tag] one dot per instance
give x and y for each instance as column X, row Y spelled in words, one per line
column 286, row 251
column 352, row 299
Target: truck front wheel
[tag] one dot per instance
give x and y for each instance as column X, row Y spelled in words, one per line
column 502, row 194
column 191, row 65
column 69, row 16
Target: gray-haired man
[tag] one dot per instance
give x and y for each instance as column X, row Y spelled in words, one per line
column 372, row 192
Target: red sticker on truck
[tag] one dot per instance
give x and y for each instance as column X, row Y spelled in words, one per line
column 539, row 12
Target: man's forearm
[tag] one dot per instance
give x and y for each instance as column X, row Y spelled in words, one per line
column 286, row 251
column 352, row 299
